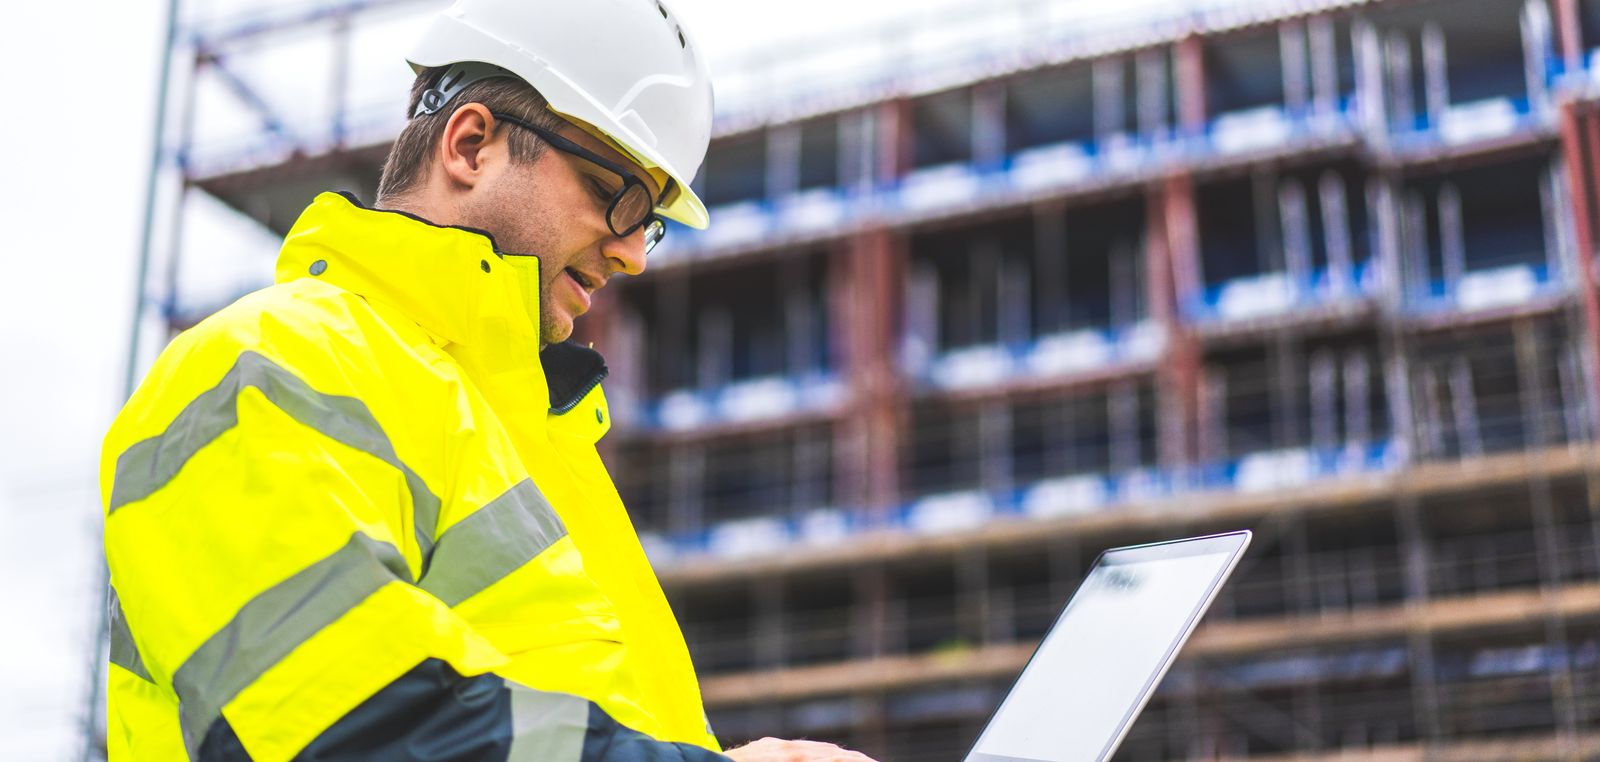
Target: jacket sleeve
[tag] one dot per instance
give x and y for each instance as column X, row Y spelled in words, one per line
column 277, row 577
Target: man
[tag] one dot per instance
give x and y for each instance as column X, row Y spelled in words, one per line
column 359, row 514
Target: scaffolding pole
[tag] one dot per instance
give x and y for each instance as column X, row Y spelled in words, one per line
column 93, row 715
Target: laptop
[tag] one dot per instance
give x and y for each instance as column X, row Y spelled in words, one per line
column 1098, row 666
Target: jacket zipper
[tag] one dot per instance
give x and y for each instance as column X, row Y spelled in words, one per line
column 584, row 392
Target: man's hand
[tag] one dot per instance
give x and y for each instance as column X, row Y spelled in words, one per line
column 779, row 750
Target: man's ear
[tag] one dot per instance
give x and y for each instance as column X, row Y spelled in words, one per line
column 466, row 145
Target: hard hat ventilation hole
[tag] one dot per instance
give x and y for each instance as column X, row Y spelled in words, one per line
column 682, row 43
column 663, row 9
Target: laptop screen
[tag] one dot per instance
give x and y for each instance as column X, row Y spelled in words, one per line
column 1100, row 661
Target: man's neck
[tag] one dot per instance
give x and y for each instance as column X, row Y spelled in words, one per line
column 419, row 203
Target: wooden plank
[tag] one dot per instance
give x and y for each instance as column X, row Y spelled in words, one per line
column 891, row 673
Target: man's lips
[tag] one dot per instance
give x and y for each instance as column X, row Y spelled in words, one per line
column 584, row 280
column 581, row 288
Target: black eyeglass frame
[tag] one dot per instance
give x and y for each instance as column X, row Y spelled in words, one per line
column 656, row 228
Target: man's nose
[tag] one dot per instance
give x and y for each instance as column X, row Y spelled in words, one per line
column 625, row 254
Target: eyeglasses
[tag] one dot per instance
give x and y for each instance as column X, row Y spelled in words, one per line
column 631, row 206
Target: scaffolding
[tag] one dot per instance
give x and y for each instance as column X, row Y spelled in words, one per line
column 987, row 296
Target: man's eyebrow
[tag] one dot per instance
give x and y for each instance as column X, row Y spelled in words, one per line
column 642, row 175
column 601, row 175
column 630, row 167
column 648, row 181
column 633, row 169
column 612, row 183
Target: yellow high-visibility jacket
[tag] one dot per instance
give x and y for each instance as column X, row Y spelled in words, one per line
column 359, row 515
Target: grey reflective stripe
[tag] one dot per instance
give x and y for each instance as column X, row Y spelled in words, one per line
column 547, row 727
column 123, row 651
column 149, row 465
column 494, row 541
column 274, row 623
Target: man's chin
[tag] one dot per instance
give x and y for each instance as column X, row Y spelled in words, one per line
column 554, row 328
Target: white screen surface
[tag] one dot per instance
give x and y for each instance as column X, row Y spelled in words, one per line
column 1095, row 665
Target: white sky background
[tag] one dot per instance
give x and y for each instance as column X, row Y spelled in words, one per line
column 77, row 135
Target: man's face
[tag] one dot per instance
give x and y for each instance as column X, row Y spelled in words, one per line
column 555, row 208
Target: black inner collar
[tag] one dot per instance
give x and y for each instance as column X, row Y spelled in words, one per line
column 571, row 370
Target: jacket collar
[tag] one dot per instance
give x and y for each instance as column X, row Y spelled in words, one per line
column 452, row 281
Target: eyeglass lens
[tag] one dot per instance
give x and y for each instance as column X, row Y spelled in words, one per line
column 630, row 209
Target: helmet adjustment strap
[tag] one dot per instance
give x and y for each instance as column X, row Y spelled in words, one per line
column 456, row 78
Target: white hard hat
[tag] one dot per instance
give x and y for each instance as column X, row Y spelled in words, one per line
column 627, row 68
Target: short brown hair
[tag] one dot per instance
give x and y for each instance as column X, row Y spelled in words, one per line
column 408, row 158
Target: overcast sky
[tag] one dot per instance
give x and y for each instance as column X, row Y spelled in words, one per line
column 81, row 92
column 76, row 137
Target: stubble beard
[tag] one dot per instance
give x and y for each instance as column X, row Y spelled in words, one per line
column 550, row 329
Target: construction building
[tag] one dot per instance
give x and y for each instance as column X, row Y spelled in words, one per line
column 1030, row 283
